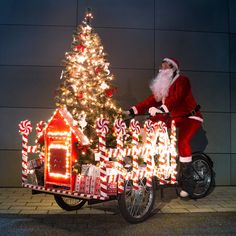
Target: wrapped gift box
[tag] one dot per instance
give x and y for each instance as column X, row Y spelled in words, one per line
column 80, row 183
column 112, row 188
column 31, row 178
column 34, row 163
column 88, row 182
column 40, row 175
column 95, row 186
column 85, row 169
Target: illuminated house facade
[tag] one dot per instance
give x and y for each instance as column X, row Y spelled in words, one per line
column 61, row 136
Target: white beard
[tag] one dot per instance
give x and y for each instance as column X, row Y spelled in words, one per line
column 161, row 83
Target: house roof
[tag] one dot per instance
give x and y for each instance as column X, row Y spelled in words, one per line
column 75, row 129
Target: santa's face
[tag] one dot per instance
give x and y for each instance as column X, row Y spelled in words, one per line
column 161, row 83
column 165, row 65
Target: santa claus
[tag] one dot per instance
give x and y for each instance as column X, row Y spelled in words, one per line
column 171, row 93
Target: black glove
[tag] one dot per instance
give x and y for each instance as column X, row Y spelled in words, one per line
column 131, row 112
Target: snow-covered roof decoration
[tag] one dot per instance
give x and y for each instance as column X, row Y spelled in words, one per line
column 75, row 129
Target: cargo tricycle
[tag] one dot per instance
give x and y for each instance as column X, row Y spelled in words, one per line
column 130, row 173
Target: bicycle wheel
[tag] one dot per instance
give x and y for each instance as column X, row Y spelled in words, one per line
column 202, row 176
column 136, row 205
column 68, row 203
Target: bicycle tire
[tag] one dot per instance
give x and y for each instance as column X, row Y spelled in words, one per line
column 203, row 175
column 68, row 203
column 130, row 201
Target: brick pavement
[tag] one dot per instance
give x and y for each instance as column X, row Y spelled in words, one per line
column 21, row 201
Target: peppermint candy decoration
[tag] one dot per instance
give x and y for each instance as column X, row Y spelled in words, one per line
column 157, row 125
column 149, row 126
column 102, row 126
column 134, row 126
column 40, row 126
column 25, row 127
column 163, row 127
column 120, row 126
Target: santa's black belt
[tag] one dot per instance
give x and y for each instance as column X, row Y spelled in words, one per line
column 194, row 111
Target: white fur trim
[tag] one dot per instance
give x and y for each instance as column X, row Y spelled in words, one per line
column 171, row 62
column 183, row 193
column 175, row 78
column 185, row 159
column 165, row 108
column 135, row 110
column 196, row 118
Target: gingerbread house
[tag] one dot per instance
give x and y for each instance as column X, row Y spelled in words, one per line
column 61, row 135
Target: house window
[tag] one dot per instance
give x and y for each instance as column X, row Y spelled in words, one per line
column 59, row 160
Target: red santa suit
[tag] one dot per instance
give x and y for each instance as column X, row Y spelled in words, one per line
column 183, row 109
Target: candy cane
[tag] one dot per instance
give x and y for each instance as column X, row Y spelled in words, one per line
column 41, row 156
column 162, row 152
column 120, row 127
column 142, row 151
column 149, row 129
column 173, row 152
column 135, row 129
column 32, row 149
column 102, row 130
column 39, row 129
column 25, row 129
column 40, row 126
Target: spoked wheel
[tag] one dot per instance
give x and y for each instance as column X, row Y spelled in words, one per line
column 68, row 203
column 136, row 205
column 202, row 175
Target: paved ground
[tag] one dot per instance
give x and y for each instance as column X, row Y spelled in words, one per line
column 21, row 201
column 167, row 224
column 23, row 214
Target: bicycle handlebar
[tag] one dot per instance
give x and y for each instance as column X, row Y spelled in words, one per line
column 146, row 115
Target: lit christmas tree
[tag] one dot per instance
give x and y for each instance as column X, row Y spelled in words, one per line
column 86, row 90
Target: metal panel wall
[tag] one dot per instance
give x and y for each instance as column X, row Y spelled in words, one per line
column 136, row 35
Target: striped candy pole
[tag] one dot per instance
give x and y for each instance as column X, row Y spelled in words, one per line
column 120, row 127
column 32, row 149
column 149, row 129
column 40, row 131
column 39, row 127
column 135, row 130
column 173, row 153
column 41, row 156
column 167, row 154
column 102, row 130
column 25, row 129
column 156, row 150
column 162, row 152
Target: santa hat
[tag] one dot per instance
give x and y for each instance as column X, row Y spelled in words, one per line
column 172, row 61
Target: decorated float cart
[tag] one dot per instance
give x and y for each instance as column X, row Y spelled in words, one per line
column 124, row 178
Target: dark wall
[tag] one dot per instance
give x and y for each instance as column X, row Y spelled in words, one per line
column 136, row 34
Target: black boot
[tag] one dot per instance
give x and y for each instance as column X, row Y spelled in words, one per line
column 186, row 180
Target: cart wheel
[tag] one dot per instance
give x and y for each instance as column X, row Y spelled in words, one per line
column 136, row 205
column 203, row 176
column 68, row 203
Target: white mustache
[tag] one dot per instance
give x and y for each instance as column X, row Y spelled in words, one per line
column 160, row 85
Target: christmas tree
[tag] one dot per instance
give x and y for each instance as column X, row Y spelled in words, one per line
column 86, row 90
